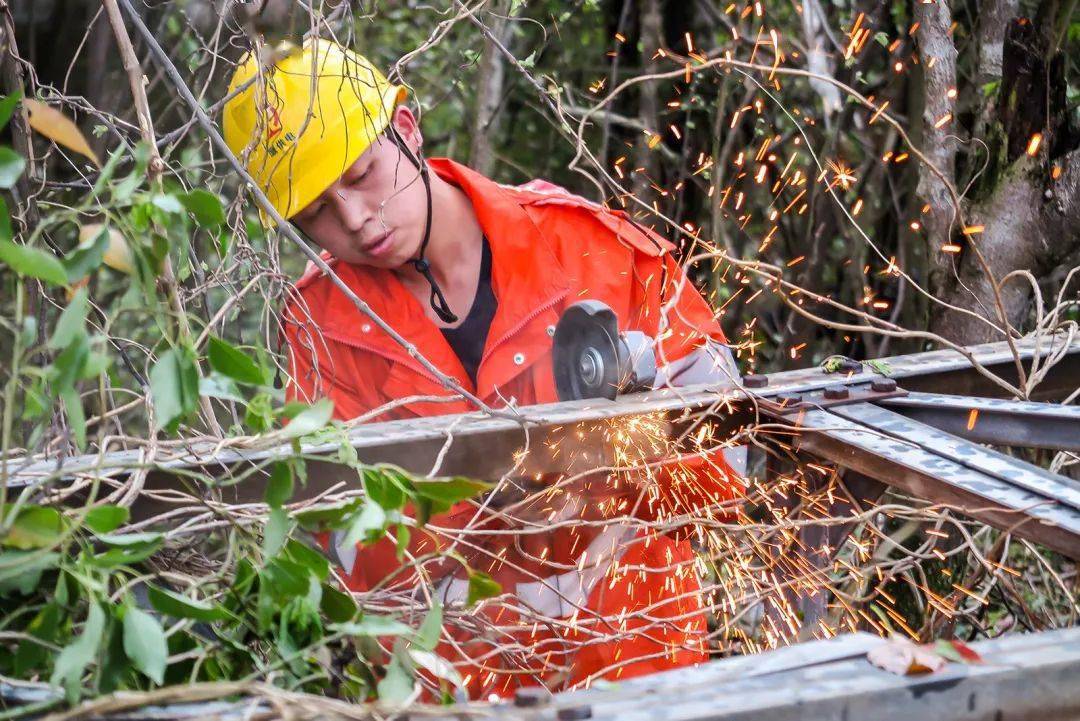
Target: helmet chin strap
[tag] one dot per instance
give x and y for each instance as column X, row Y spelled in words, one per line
column 438, row 301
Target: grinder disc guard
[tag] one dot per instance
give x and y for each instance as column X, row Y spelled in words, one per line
column 586, row 352
column 593, row 360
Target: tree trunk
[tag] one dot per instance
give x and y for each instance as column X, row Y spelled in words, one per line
column 1030, row 218
column 652, row 34
column 489, row 91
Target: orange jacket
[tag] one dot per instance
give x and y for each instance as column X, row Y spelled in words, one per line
column 634, row 610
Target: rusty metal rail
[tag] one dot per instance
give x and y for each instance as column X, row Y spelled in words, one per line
column 838, row 424
column 1023, row 677
column 923, row 443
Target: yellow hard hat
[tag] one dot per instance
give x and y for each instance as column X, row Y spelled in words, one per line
column 295, row 136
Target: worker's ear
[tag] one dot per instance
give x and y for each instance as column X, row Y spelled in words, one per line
column 408, row 127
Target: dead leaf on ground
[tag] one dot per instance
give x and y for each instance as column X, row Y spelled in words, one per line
column 58, row 128
column 903, row 658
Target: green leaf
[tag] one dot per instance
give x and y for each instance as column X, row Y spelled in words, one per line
column 125, row 549
column 71, row 322
column 367, row 525
column 386, row 486
column 482, row 586
column 11, row 167
column 105, row 519
column 205, row 206
column 174, row 385
column 109, row 170
column 7, row 107
column 312, row 561
column 173, row 604
column 955, row 650
column 397, row 685
column 882, row 39
column 75, row 414
column 338, row 607
column 427, row 636
column 231, row 362
column 96, row 364
column 403, row 533
column 279, row 488
column 21, row 571
column 78, row 654
column 309, row 420
column 278, row 526
column 168, row 203
column 880, row 366
column 28, row 261
column 46, row 626
column 216, row 385
column 87, row 256
column 127, row 540
column 944, row 649
column 116, row 671
column 29, row 330
column 326, row 516
column 145, row 644
column 34, row 527
column 283, row 579
column 446, row 492
column 371, row 625
column 69, row 364
column 35, row 403
column 259, row 415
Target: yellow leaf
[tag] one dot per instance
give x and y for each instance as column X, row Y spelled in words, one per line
column 117, row 255
column 55, row 126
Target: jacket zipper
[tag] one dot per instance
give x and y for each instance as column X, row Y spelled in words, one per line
column 523, row 322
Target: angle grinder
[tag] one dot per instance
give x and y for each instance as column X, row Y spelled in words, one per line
column 592, row 359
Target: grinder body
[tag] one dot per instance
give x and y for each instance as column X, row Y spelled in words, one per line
column 592, row 359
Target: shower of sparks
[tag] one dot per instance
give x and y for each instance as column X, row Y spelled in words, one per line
column 772, row 564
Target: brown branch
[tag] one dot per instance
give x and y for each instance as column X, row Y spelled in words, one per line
column 135, row 79
column 489, row 93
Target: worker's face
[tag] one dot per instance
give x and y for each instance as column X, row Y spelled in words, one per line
column 375, row 213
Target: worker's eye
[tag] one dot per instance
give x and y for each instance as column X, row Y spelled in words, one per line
column 363, row 175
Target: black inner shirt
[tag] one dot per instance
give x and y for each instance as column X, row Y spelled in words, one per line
column 469, row 337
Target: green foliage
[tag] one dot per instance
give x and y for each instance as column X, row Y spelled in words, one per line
column 145, row 644
column 482, row 586
column 84, row 600
column 93, row 623
column 174, row 384
column 231, row 362
column 204, row 206
column 28, row 261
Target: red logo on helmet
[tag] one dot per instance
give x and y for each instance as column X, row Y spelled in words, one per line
column 273, row 123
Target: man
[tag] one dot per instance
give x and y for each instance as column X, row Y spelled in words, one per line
column 475, row 275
